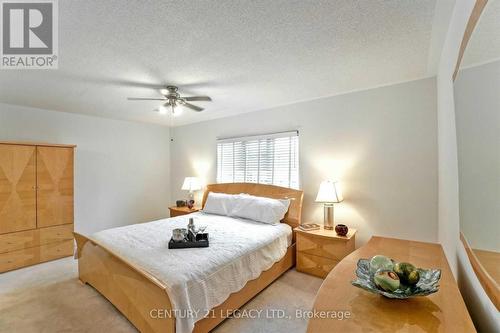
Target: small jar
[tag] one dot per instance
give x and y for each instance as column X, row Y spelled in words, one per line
column 341, row 229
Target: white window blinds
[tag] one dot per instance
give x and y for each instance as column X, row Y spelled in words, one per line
column 265, row 159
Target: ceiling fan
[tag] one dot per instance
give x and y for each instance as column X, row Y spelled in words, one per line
column 173, row 99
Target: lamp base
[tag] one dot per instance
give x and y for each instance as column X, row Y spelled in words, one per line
column 328, row 217
column 190, row 200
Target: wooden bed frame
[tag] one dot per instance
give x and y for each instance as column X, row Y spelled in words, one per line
column 143, row 299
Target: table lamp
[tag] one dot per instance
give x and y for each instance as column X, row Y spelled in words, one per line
column 191, row 184
column 329, row 193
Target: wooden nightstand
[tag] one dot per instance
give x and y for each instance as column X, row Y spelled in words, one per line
column 318, row 251
column 178, row 211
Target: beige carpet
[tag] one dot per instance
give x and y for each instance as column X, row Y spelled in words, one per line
column 49, row 298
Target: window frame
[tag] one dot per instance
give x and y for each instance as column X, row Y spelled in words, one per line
column 258, row 138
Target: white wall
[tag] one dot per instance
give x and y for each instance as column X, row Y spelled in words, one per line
column 381, row 143
column 121, row 169
column 477, row 107
column 482, row 311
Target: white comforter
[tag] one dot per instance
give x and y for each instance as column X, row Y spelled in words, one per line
column 200, row 279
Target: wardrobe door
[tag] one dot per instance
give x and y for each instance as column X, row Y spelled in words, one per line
column 17, row 188
column 55, row 186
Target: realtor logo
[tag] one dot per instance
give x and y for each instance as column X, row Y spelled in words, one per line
column 29, row 34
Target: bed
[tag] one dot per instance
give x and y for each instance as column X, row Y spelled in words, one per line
column 148, row 296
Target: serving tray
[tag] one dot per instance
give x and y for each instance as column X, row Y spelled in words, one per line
column 201, row 241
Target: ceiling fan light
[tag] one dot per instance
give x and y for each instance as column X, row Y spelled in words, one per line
column 176, row 111
column 162, row 110
column 164, row 91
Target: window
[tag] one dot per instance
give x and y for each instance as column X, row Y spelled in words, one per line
column 265, row 159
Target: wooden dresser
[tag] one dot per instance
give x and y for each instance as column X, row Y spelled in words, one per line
column 36, row 203
column 443, row 311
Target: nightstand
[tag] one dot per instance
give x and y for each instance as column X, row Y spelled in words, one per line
column 178, row 211
column 318, row 251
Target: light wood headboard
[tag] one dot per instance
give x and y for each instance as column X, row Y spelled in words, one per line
column 294, row 214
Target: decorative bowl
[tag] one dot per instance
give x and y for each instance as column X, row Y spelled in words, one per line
column 428, row 283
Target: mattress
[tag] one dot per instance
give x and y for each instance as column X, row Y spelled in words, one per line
column 199, row 279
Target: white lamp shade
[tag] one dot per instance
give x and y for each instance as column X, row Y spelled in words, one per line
column 191, row 184
column 329, row 192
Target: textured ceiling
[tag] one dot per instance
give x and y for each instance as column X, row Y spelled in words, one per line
column 484, row 45
column 246, row 55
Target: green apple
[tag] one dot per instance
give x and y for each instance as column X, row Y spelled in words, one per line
column 404, row 270
column 380, row 262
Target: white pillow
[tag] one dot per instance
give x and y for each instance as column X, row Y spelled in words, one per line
column 220, row 203
column 260, row 209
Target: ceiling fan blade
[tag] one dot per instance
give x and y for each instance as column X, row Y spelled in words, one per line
column 197, row 98
column 193, row 107
column 145, row 99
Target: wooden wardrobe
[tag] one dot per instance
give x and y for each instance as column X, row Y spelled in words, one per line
column 36, row 203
